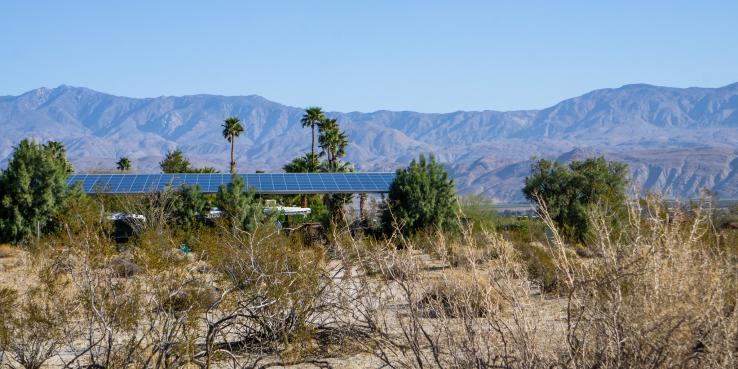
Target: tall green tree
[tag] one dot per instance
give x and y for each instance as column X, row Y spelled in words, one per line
column 232, row 128
column 569, row 192
column 32, row 190
column 332, row 140
column 312, row 118
column 239, row 206
column 123, row 164
column 421, row 198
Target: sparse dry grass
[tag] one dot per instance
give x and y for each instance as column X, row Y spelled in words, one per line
column 457, row 292
column 662, row 297
column 7, row 251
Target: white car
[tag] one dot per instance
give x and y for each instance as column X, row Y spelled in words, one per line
column 125, row 216
column 287, row 210
column 213, row 213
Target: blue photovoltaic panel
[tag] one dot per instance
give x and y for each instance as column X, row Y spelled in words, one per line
column 263, row 183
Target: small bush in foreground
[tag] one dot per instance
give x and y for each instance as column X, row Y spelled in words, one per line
column 458, row 293
column 541, row 265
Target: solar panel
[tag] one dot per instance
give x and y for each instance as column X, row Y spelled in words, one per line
column 263, row 183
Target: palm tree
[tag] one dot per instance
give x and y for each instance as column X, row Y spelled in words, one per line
column 335, row 202
column 332, row 140
column 56, row 149
column 312, row 118
column 58, row 152
column 232, row 128
column 124, row 164
column 304, row 164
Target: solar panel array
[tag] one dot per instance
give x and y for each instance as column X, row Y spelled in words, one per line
column 263, row 183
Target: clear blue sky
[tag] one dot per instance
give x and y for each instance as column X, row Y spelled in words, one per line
column 431, row 56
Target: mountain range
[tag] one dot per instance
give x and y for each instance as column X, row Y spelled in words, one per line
column 676, row 141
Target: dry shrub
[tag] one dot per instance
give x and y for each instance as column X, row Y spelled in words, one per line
column 123, row 266
column 192, row 294
column 35, row 320
column 458, row 293
column 469, row 256
column 540, row 265
column 400, row 265
column 7, row 251
column 663, row 296
column 478, row 316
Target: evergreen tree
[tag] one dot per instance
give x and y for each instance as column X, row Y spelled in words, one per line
column 188, row 206
column 239, row 206
column 175, row 162
column 420, row 198
column 32, row 189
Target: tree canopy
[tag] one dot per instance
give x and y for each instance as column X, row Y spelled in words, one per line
column 32, row 189
column 123, row 164
column 176, row 162
column 422, row 197
column 312, row 118
column 307, row 163
column 331, row 140
column 569, row 192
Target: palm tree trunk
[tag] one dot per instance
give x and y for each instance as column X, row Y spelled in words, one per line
column 233, row 158
column 304, row 201
column 312, row 147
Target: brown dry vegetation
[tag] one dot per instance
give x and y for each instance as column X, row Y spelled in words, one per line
column 662, row 295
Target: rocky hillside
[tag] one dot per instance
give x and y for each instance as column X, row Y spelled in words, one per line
column 677, row 141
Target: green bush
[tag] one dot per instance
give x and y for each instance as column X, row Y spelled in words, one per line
column 570, row 192
column 421, row 198
column 239, row 207
column 521, row 230
column 32, row 189
column 540, row 265
column 188, row 206
column 479, row 212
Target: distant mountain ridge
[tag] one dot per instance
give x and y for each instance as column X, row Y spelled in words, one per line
column 676, row 141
